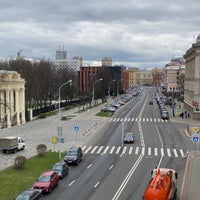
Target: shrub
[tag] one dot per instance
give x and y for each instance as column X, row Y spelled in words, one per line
column 41, row 149
column 20, row 162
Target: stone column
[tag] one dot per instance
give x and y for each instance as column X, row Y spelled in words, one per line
column 8, row 109
column 17, row 102
column 22, row 105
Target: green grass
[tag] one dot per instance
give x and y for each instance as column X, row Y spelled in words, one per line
column 104, row 114
column 13, row 181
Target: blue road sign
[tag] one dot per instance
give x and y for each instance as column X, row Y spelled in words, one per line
column 195, row 139
column 76, row 128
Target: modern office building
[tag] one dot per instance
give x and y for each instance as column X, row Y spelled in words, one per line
column 192, row 80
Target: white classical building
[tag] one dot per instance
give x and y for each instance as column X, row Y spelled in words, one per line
column 12, row 99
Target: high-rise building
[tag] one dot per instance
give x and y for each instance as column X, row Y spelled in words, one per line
column 106, row 62
column 61, row 54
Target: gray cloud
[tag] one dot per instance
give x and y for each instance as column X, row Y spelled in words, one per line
column 135, row 32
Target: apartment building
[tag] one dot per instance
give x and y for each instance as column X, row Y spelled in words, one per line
column 192, row 80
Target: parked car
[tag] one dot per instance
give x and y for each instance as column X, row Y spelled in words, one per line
column 108, row 108
column 115, row 104
column 164, row 114
column 47, row 181
column 30, row 195
column 129, row 137
column 74, row 155
column 61, row 168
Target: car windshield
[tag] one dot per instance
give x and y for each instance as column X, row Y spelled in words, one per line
column 72, row 153
column 44, row 179
column 57, row 167
column 23, row 197
column 129, row 135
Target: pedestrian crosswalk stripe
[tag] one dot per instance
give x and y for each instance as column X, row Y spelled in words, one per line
column 98, row 152
column 143, row 151
column 156, row 151
column 112, row 149
column 162, row 152
column 106, row 149
column 149, row 151
column 130, row 150
column 168, row 152
column 175, row 153
column 94, row 149
column 138, row 119
column 118, row 149
column 88, row 149
column 136, row 150
column 182, row 153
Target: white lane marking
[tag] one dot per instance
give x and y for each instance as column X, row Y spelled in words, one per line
column 71, row 183
column 96, row 184
column 132, row 119
column 111, row 167
column 124, row 183
column 89, row 166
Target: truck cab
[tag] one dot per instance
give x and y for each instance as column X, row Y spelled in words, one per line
column 21, row 143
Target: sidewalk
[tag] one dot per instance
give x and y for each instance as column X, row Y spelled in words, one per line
column 41, row 131
column 191, row 181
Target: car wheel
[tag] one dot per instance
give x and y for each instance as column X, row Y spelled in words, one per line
column 40, row 198
column 50, row 189
column 57, row 183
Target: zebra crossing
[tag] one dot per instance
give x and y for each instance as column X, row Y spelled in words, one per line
column 131, row 150
column 138, row 120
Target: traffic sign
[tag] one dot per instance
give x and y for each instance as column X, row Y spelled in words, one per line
column 195, row 129
column 195, row 139
column 54, row 140
column 76, row 128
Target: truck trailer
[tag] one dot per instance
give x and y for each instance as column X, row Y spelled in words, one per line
column 162, row 186
column 11, row 144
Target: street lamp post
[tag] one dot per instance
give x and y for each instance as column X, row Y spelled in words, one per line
column 118, row 87
column 59, row 93
column 93, row 88
column 109, row 87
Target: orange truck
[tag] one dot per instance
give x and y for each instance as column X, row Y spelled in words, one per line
column 162, row 186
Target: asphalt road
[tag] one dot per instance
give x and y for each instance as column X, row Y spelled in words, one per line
column 112, row 170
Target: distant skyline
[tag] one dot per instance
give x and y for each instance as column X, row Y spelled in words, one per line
column 136, row 33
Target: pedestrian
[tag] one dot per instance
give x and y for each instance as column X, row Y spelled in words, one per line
column 185, row 114
column 188, row 115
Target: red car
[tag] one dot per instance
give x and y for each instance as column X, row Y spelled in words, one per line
column 47, row 181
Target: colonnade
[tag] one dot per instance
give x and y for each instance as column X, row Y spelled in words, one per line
column 12, row 99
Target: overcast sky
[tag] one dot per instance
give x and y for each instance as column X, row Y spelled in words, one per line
column 140, row 33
